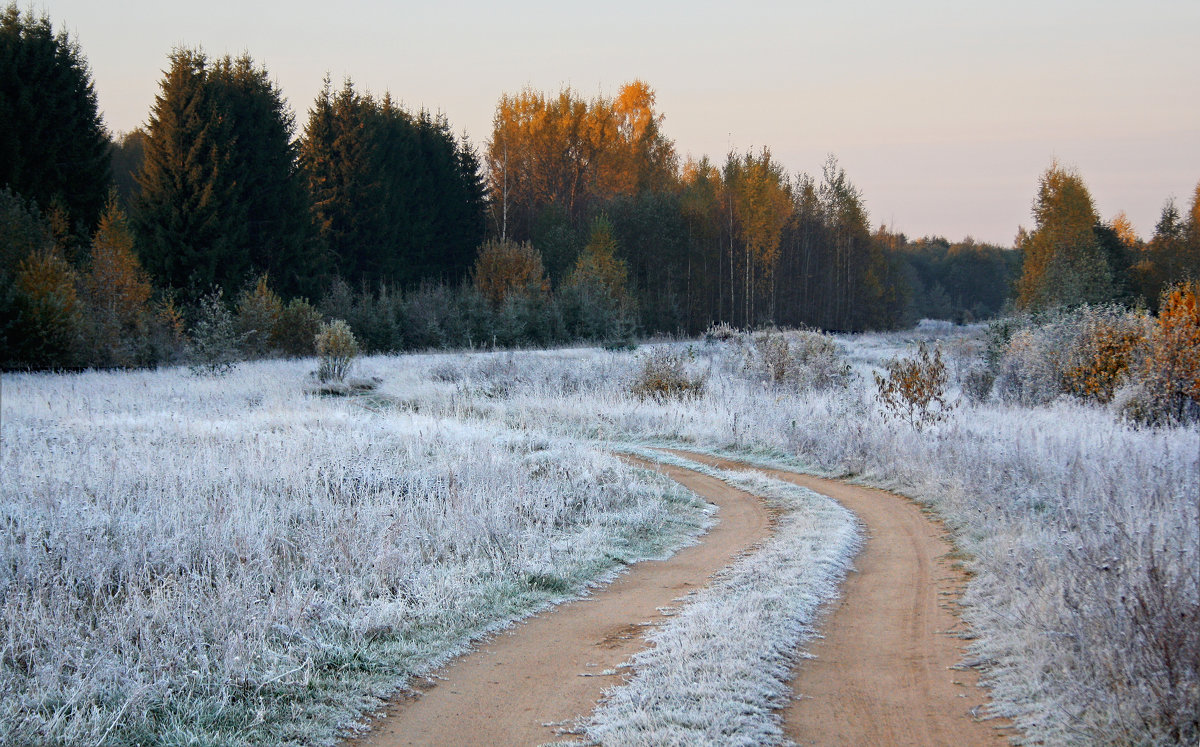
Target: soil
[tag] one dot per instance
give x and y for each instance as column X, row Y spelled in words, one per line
column 528, row 685
column 888, row 668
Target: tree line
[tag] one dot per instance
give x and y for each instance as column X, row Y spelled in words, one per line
column 578, row 219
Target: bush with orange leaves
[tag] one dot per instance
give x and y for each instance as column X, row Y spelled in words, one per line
column 1171, row 377
column 1108, row 346
column 504, row 268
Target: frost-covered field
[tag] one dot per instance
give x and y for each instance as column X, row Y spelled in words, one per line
column 1083, row 533
column 232, row 558
column 228, row 561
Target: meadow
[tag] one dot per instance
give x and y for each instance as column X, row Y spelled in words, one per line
column 233, row 560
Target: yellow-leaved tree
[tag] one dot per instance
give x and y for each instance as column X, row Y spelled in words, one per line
column 117, row 290
column 1064, row 262
column 504, row 268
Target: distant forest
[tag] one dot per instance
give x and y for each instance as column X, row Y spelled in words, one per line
column 576, row 220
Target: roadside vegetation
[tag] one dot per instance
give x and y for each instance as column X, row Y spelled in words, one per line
column 233, row 553
column 232, row 514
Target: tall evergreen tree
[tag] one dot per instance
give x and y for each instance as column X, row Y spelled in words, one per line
column 395, row 197
column 220, row 198
column 53, row 145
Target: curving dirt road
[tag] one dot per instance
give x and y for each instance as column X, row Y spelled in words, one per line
column 883, row 674
column 506, row 691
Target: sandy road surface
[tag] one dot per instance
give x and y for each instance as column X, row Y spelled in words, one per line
column 883, row 671
column 503, row 693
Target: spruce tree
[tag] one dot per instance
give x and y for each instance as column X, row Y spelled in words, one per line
column 53, row 145
column 220, row 195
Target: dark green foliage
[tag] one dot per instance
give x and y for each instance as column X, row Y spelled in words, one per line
column 128, row 154
column 53, row 145
column 297, row 327
column 23, row 230
column 555, row 239
column 650, row 231
column 395, row 198
column 1120, row 262
column 220, row 197
column 961, row 282
column 38, row 325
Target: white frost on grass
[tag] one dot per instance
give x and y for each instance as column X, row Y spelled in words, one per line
column 1083, row 532
column 718, row 670
column 228, row 561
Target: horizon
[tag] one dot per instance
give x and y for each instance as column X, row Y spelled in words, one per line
column 944, row 118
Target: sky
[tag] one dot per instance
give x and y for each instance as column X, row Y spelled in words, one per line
column 944, row 114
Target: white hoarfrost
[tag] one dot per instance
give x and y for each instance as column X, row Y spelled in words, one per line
column 228, row 561
column 717, row 672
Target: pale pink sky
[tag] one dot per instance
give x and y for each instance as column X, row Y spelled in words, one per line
column 943, row 113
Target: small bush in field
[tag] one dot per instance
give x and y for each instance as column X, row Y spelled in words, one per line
column 258, row 312
column 720, row 332
column 337, row 349
column 914, row 389
column 977, row 383
column 1106, row 346
column 1171, row 372
column 296, row 329
column 214, row 340
column 1028, row 371
column 664, row 375
column 796, row 359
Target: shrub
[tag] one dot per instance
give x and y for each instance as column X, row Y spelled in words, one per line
column 914, row 388
column 1171, row 372
column 50, row 323
column 977, row 383
column 1028, row 371
column 166, row 339
column 505, row 268
column 296, row 329
column 797, row 359
column 336, row 348
column 1107, row 344
column 664, row 375
column 720, row 332
column 258, row 312
column 214, row 345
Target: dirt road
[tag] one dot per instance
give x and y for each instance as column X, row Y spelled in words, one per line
column 503, row 693
column 882, row 674
column 883, row 671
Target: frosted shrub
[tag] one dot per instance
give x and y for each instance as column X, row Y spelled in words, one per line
column 798, row 360
column 913, row 389
column 720, row 332
column 337, row 349
column 1101, row 346
column 1028, row 371
column 977, row 383
column 214, row 340
column 664, row 375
